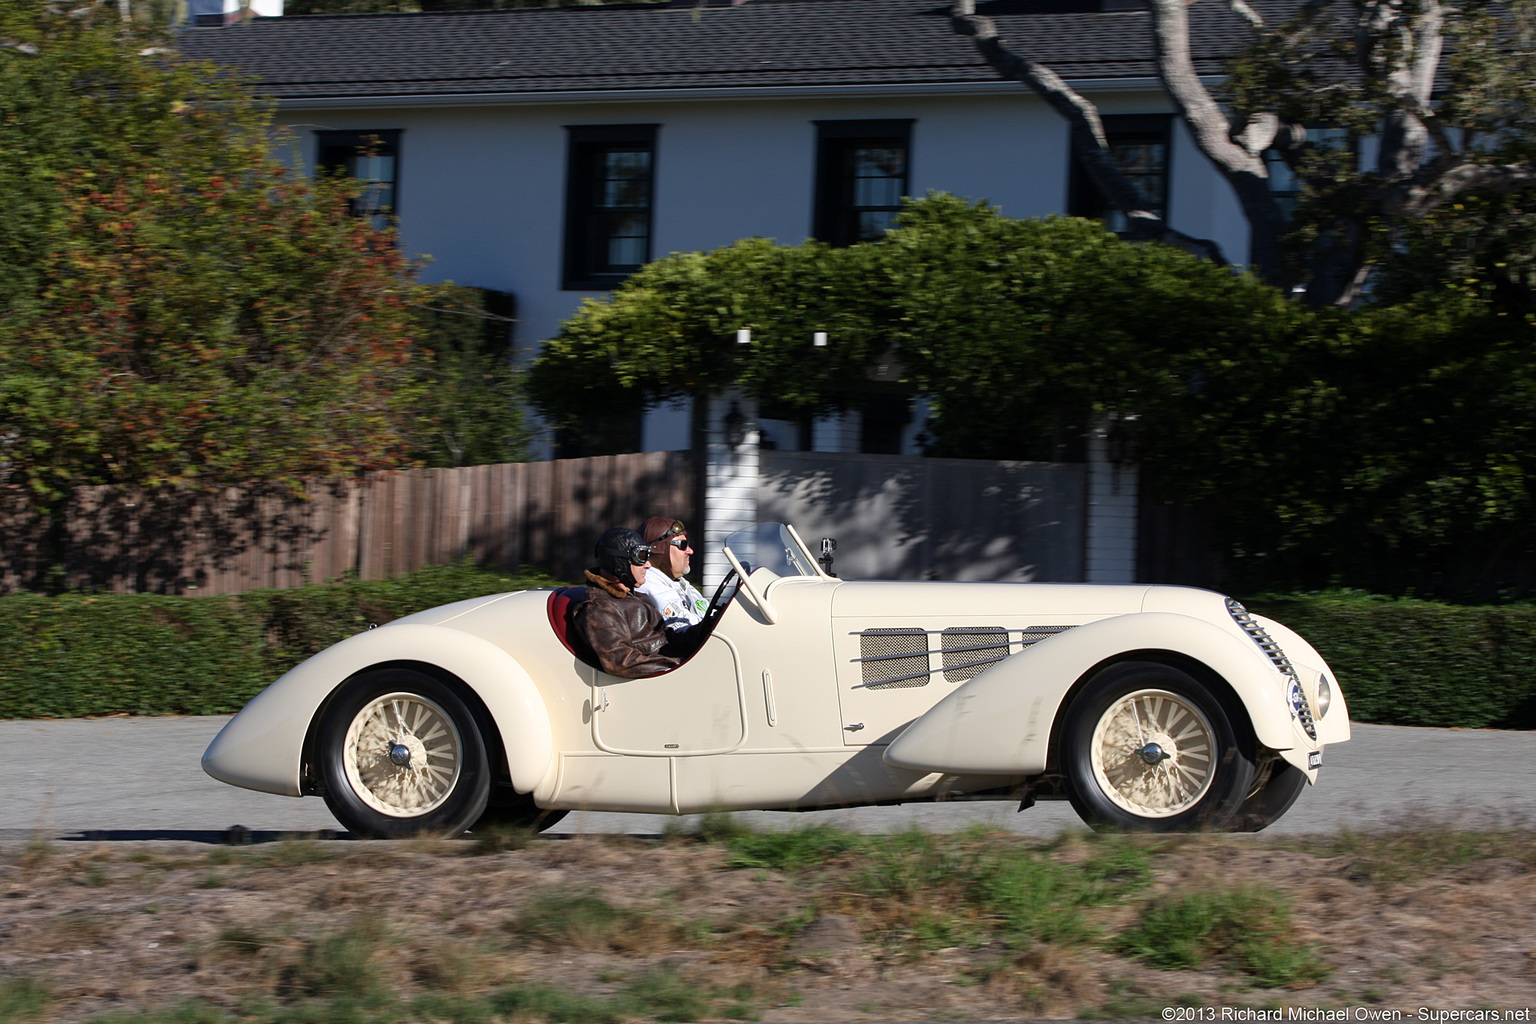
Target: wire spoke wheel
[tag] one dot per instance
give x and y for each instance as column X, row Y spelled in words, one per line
column 1153, row 753
column 403, row 754
column 1153, row 747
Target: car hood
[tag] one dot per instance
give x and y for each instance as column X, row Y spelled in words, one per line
column 863, row 598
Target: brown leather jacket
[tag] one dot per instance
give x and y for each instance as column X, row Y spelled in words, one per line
column 624, row 630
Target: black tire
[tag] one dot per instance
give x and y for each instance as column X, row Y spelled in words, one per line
column 401, row 754
column 1272, row 797
column 1132, row 712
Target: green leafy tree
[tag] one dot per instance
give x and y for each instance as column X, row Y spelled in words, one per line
column 1384, row 448
column 179, row 308
column 1023, row 334
column 669, row 333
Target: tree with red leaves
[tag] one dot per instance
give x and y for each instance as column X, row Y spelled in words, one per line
column 178, row 307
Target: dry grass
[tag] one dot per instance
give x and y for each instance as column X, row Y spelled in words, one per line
column 810, row 925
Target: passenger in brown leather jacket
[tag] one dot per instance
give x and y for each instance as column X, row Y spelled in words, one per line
column 623, row 628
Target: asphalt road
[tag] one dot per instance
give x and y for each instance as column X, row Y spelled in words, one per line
column 140, row 778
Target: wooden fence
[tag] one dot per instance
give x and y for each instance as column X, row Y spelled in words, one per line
column 544, row 514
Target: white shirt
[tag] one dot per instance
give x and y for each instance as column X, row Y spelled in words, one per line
column 680, row 604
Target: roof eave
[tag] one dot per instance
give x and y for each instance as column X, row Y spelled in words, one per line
column 685, row 95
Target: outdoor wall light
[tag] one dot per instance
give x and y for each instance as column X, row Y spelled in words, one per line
column 735, row 426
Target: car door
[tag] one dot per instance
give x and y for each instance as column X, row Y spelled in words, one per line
column 695, row 709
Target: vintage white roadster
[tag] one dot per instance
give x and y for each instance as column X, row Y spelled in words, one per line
column 1148, row 707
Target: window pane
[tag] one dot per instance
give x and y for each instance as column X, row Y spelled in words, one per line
column 877, row 192
column 370, row 158
column 624, row 194
column 877, row 161
column 627, row 242
column 873, row 224
column 627, row 163
column 1145, row 165
column 625, row 180
column 373, row 167
column 860, row 179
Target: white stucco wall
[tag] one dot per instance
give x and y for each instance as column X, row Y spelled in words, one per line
column 481, row 189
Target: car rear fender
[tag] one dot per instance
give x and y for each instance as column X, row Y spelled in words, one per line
column 1000, row 722
column 262, row 748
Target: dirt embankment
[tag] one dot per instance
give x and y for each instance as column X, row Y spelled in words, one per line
column 819, row 928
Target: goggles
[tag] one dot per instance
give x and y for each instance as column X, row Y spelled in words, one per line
column 640, row 555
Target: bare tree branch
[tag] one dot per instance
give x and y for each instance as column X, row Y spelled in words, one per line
column 1420, row 200
column 1089, row 142
column 1421, row 164
column 1405, row 136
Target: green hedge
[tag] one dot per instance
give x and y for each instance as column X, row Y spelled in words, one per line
column 1405, row 662
column 77, row 655
column 1399, row 662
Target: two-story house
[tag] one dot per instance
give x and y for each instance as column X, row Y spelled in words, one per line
column 549, row 152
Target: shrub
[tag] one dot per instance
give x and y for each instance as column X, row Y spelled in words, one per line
column 78, row 654
column 1406, row 662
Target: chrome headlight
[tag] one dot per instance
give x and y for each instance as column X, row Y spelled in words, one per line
column 1324, row 696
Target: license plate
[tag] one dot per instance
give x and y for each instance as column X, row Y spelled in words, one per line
column 1315, row 759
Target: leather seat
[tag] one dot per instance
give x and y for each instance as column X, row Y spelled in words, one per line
column 562, row 608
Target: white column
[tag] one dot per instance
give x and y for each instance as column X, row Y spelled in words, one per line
column 1112, row 513
column 730, row 482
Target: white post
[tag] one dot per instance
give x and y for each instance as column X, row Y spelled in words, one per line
column 730, row 481
column 1112, row 512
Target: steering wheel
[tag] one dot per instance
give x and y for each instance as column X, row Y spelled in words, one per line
column 721, row 599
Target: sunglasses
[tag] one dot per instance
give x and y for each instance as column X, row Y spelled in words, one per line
column 681, row 543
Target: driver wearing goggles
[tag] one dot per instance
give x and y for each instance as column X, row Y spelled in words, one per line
column 621, row 626
column 680, row 604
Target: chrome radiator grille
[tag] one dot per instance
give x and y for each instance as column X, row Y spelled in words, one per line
column 1296, row 697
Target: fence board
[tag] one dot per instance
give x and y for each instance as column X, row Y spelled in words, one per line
column 548, row 514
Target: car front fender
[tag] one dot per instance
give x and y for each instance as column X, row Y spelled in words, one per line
column 262, row 747
column 1000, row 722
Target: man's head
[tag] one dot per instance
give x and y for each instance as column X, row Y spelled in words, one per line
column 622, row 554
column 671, row 551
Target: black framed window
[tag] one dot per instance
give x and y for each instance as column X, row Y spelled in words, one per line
column 373, row 158
column 1141, row 144
column 861, row 175
column 1332, row 144
column 610, row 173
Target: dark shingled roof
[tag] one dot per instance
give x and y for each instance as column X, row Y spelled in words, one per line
column 680, row 46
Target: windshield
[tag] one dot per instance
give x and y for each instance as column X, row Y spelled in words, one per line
column 773, row 547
